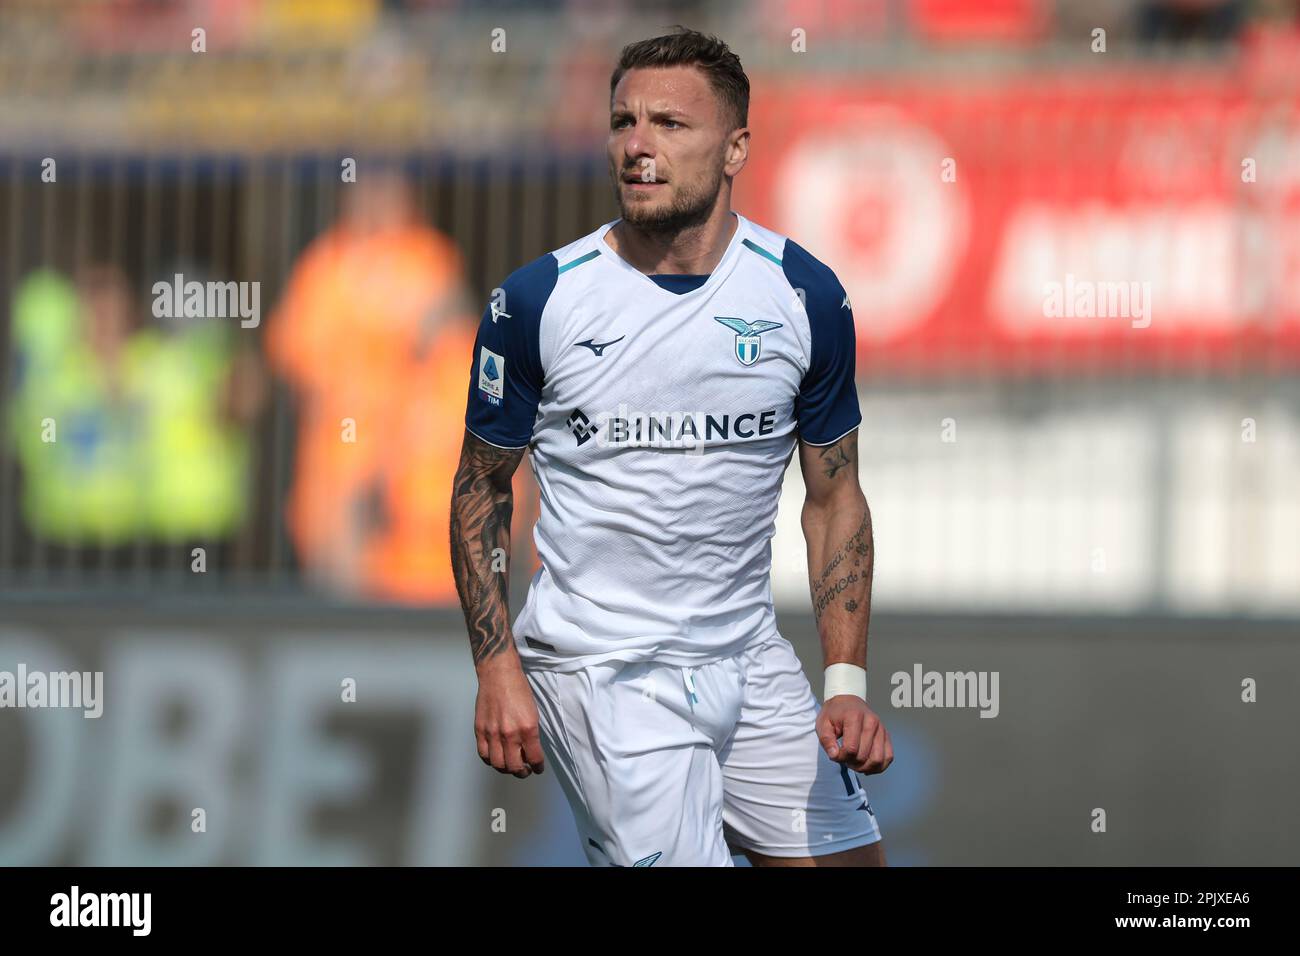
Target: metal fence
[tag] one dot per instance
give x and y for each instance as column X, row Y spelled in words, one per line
column 247, row 219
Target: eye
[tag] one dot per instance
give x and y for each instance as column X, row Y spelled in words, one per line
column 618, row 122
column 672, row 124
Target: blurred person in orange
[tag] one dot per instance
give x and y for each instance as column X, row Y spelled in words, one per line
column 372, row 334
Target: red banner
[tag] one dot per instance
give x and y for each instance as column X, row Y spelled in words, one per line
column 1149, row 220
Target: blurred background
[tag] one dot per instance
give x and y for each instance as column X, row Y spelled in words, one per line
column 244, row 245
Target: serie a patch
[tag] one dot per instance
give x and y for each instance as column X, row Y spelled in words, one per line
column 491, row 375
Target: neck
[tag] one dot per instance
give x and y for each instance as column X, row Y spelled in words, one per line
column 695, row 250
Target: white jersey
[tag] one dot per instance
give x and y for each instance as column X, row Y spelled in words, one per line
column 661, row 412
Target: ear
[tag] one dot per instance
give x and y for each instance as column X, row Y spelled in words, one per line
column 737, row 153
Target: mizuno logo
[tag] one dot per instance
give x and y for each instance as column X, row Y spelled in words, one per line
column 497, row 311
column 650, row 860
column 599, row 347
column 854, row 786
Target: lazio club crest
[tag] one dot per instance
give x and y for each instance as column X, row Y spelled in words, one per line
column 748, row 344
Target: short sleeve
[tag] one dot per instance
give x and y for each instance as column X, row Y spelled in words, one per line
column 827, row 405
column 506, row 378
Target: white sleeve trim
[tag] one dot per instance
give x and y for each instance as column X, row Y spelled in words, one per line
column 494, row 444
column 823, row 444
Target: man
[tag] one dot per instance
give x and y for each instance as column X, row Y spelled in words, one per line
column 660, row 369
column 371, row 325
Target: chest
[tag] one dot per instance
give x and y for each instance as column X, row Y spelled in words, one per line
column 740, row 345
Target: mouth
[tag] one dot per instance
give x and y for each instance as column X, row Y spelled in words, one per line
column 634, row 179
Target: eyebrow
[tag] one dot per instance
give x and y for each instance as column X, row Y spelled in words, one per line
column 673, row 114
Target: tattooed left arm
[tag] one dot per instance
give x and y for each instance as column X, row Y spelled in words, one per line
column 841, row 557
column 837, row 526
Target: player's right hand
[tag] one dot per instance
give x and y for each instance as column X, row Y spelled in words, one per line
column 505, row 718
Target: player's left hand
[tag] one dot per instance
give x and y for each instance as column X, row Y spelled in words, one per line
column 852, row 734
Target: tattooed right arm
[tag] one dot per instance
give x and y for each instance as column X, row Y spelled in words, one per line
column 505, row 715
column 481, row 505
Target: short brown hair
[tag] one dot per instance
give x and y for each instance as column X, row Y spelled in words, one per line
column 691, row 48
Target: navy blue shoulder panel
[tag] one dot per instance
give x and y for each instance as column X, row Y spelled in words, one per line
column 827, row 406
column 505, row 384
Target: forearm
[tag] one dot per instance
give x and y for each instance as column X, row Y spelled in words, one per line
column 481, row 507
column 841, row 557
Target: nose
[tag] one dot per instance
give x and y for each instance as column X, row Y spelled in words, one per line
column 639, row 144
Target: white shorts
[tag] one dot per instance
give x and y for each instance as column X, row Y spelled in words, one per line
column 679, row 766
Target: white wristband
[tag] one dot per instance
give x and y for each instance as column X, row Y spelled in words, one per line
column 845, row 679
